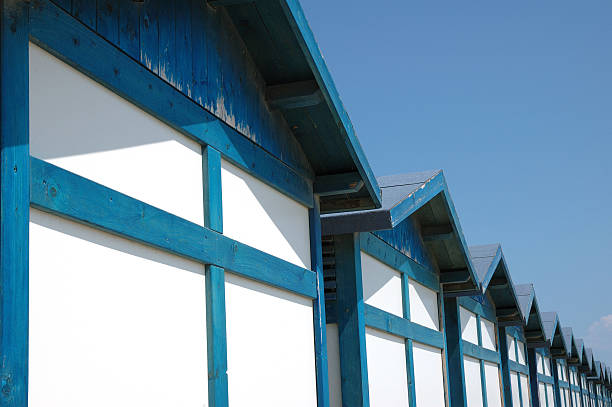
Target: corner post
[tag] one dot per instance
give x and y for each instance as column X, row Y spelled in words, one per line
column 533, row 377
column 216, row 339
column 505, row 368
column 351, row 321
column 409, row 342
column 14, row 202
column 454, row 353
column 556, row 387
column 316, row 259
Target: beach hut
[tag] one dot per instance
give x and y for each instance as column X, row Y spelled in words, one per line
column 483, row 340
column 557, row 351
column 388, row 273
column 163, row 169
column 574, row 360
column 583, row 369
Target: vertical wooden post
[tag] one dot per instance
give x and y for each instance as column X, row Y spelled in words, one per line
column 409, row 342
column 483, row 378
column 316, row 260
column 14, row 202
column 533, row 377
column 216, row 340
column 556, row 387
column 454, row 353
column 505, row 369
column 351, row 321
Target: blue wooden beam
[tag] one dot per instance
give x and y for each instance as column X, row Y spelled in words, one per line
column 65, row 37
column 56, row 190
column 455, row 375
column 316, row 259
column 14, row 203
column 216, row 334
column 294, row 95
column 336, row 184
column 351, row 321
column 533, row 377
column 555, row 376
column 505, row 365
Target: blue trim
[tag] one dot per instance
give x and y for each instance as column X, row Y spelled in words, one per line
column 299, row 24
column 555, row 376
column 478, row 308
column 517, row 367
column 53, row 189
column 319, row 318
column 483, row 384
column 14, row 203
column 216, row 338
column 377, row 248
column 408, row 344
column 545, row 379
column 351, row 321
column 505, row 365
column 455, row 374
column 477, row 352
column 398, row 326
column 71, row 41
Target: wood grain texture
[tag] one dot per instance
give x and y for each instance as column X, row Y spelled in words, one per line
column 56, row 190
column 14, row 203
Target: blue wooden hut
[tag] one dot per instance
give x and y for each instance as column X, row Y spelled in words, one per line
column 557, row 351
column 574, row 360
column 583, row 369
column 482, row 332
column 164, row 165
column 392, row 277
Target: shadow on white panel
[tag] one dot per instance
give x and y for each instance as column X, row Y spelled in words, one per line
column 521, row 352
column 333, row 364
column 469, row 328
column 428, row 376
column 423, row 305
column 382, row 285
column 270, row 345
column 109, row 318
column 387, row 378
column 258, row 215
column 83, row 127
column 487, row 329
column 510, row 341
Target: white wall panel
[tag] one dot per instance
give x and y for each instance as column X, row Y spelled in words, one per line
column 469, row 328
column 539, row 363
column 525, row 390
column 521, row 352
column 382, row 285
column 423, row 305
column 428, row 376
column 487, row 329
column 515, row 384
column 547, row 366
column 387, row 377
column 333, row 366
column 258, row 215
column 112, row 322
column 81, row 126
column 550, row 395
column 493, row 384
column 473, row 386
column 542, row 394
column 270, row 345
column 511, row 349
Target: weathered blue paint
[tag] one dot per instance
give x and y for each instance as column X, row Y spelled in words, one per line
column 14, row 203
column 215, row 284
column 406, row 238
column 64, row 36
column 316, row 258
column 53, row 189
column 351, row 321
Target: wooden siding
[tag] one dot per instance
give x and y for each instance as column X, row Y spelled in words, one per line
column 406, row 238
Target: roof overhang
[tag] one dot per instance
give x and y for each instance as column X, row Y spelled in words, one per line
column 300, row 88
column 590, row 371
column 573, row 357
column 494, row 278
column 424, row 197
column 552, row 328
column 532, row 319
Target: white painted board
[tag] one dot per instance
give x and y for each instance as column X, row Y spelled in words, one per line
column 511, row 347
column 550, row 395
column 487, row 329
column 542, row 394
column 333, row 366
column 473, row 387
column 493, row 384
column 110, row 318
column 81, row 126
column 387, row 377
column 382, row 285
column 525, row 390
column 521, row 352
column 514, row 385
column 428, row 376
column 423, row 305
column 469, row 328
column 547, row 366
column 270, row 345
column 262, row 217
column 539, row 363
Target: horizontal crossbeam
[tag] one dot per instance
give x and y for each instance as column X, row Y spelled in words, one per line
column 55, row 190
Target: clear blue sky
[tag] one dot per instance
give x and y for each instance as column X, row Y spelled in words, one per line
column 514, row 101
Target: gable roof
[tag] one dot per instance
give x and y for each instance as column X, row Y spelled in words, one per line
column 590, row 360
column 572, row 349
column 301, row 89
column 532, row 320
column 493, row 276
column 424, row 197
column 552, row 328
